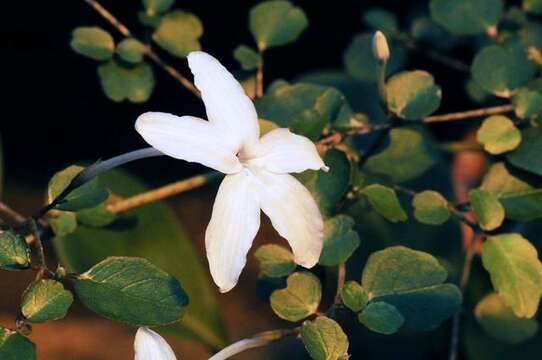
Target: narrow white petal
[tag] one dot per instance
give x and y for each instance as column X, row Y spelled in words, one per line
column 226, row 103
column 233, row 226
column 293, row 213
column 148, row 345
column 281, row 151
column 188, row 138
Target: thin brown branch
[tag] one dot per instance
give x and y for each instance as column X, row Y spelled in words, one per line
column 13, row 215
column 42, row 265
column 259, row 77
column 341, row 277
column 469, row 114
column 438, row 57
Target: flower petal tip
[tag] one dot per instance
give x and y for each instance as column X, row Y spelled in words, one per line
column 324, row 168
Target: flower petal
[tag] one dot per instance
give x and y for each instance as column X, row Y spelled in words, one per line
column 281, row 151
column 188, row 138
column 293, row 213
column 233, row 226
column 226, row 103
column 148, row 345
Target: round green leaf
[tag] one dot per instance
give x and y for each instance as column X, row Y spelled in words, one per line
column 275, row 260
column 179, row 33
column 96, row 216
column 487, row 208
column 528, row 101
column 299, row 299
column 131, row 50
column 527, row 155
column 247, row 57
column 45, row 300
column 275, row 23
column 132, row 290
column 498, row 134
column 354, row 296
column 63, row 222
column 380, row 19
column 14, row 346
column 93, row 42
column 126, row 83
column 466, row 17
column 381, row 317
column 430, row 207
column 340, row 240
column 413, row 94
column 154, row 7
column 14, row 251
column 384, row 200
column 324, row 339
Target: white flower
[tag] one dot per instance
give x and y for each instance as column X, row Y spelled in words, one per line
column 257, row 171
column 148, row 345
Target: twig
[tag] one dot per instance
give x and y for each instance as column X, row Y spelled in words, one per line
column 258, row 340
column 12, row 214
column 469, row 114
column 259, row 77
column 438, row 57
column 149, row 52
column 39, row 247
column 341, row 277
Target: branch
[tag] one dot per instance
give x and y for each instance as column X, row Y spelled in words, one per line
column 42, row 266
column 149, row 51
column 341, row 277
column 469, row 114
column 259, row 77
column 12, row 214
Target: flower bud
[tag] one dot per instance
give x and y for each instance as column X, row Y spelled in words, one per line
column 381, row 51
column 148, row 345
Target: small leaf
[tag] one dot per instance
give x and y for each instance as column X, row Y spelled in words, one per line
column 354, row 296
column 413, row 95
column 154, row 7
column 63, row 223
column 380, row 19
column 527, row 155
column 501, row 323
column 340, row 240
column 247, row 57
column 131, row 50
column 151, row 21
column 14, row 346
column 533, row 6
column 498, row 134
column 131, row 290
column 14, row 251
column 45, row 300
column 96, row 216
column 266, row 126
column 487, row 208
column 430, row 207
column 179, row 33
column 275, row 260
column 324, row 339
column 385, row 202
column 275, row 23
column 93, row 42
column 382, row 318
column 466, row 17
column 299, row 299
column 516, row 273
column 528, row 101
column 122, row 83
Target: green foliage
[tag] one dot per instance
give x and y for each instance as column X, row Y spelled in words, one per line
column 430, row 207
column 380, row 19
column 466, row 17
column 96, row 216
column 247, row 57
column 533, row 6
column 340, row 240
column 45, row 300
column 275, row 260
column 384, row 200
column 120, row 83
column 354, row 296
column 93, row 42
column 63, row 223
column 516, row 273
column 154, row 7
column 14, row 252
column 131, row 50
column 412, row 95
column 487, row 208
column 501, row 323
column 528, row 101
column 275, row 23
column 381, row 317
column 14, row 346
column 299, row 299
column 324, row 339
column 178, row 33
column 527, row 155
column 498, row 134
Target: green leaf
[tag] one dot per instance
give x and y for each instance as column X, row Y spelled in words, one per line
column 520, row 196
column 324, row 339
column 14, row 251
column 354, row 296
column 63, row 222
column 164, row 243
column 179, row 33
column 96, row 216
column 527, row 155
column 413, row 95
column 501, row 323
column 528, row 101
column 340, row 240
column 299, row 299
column 151, row 21
column 154, row 7
column 131, row 50
column 275, row 260
column 502, row 69
column 14, row 346
column 85, row 196
column 498, row 134
column 276, row 23
column 409, row 154
column 359, row 60
column 385, row 202
column 533, row 6
column 430, row 207
column 412, row 281
column 466, row 17
column 381, row 317
column 266, row 126
column 328, row 188
column 516, row 273
column 126, row 83
column 247, row 57
column 380, row 19
column 45, row 300
column 487, row 208
column 93, row 42
column 131, row 290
